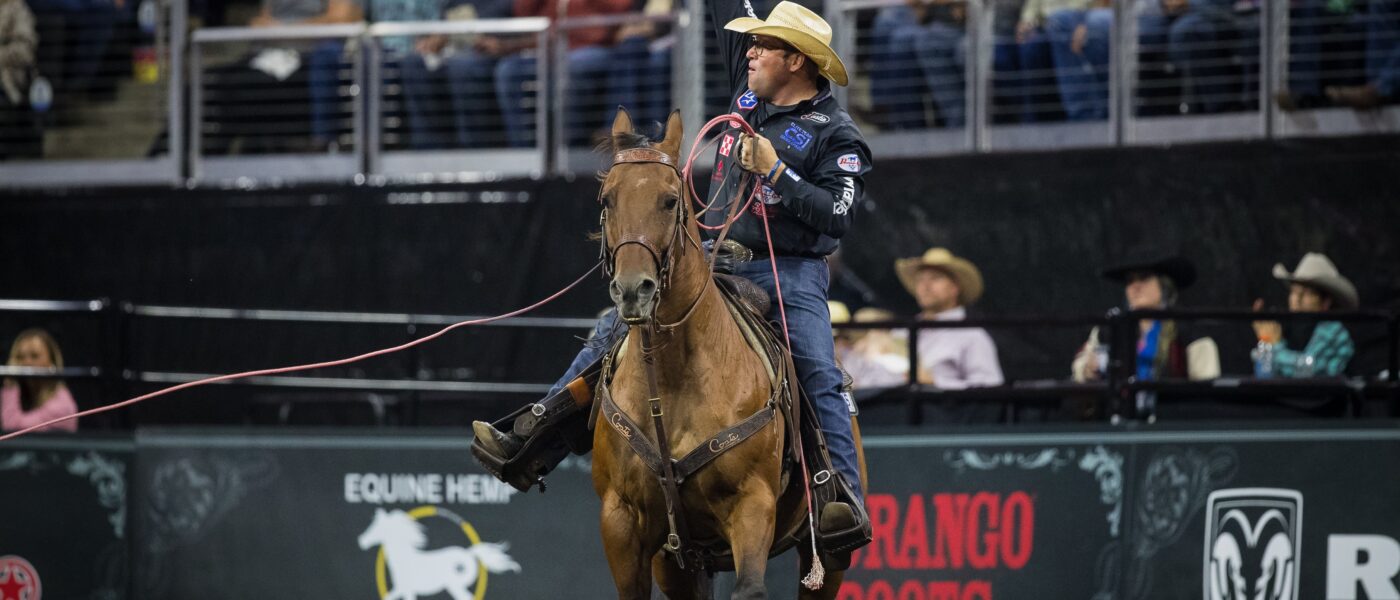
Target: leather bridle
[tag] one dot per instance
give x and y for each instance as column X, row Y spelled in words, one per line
column 661, row 257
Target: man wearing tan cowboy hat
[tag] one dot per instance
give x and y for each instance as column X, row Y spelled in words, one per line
column 809, row 161
column 1314, row 286
column 943, row 285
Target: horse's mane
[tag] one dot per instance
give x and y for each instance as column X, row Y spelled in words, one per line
column 618, row 142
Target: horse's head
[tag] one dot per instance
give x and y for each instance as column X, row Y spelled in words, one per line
column 645, row 219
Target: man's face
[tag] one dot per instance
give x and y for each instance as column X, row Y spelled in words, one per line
column 1143, row 290
column 33, row 353
column 934, row 290
column 769, row 60
column 1304, row 298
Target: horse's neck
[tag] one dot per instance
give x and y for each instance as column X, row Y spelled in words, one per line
column 705, row 330
column 395, row 554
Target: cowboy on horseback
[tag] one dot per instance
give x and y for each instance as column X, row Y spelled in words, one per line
column 809, row 159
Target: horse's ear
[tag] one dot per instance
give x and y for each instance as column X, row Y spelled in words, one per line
column 675, row 130
column 623, row 123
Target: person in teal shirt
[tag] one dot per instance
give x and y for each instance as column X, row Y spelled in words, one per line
column 1314, row 286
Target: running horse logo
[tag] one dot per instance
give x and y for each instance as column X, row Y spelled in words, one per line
column 1252, row 544
column 417, row 572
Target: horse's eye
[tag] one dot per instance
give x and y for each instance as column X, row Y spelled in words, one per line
column 608, row 200
column 671, row 202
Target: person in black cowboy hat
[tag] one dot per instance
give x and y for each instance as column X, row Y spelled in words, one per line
column 1153, row 281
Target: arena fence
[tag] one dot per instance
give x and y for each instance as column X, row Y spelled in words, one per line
column 971, row 78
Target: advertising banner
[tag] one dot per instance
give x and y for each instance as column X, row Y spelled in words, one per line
column 63, row 518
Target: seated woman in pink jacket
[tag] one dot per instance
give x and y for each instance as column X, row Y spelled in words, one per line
column 28, row 402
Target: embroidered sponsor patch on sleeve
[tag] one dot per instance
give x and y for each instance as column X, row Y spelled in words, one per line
column 797, row 137
column 849, row 163
column 793, row 174
column 726, row 145
column 747, row 101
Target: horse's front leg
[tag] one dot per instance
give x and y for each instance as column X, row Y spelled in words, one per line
column 625, row 543
column 749, row 528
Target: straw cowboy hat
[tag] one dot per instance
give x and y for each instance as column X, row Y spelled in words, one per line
column 804, row 30
column 1317, row 271
column 968, row 278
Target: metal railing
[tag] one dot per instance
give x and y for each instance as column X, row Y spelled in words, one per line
column 1113, row 397
column 1116, row 394
column 1241, row 84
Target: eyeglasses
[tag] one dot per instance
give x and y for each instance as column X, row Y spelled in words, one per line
column 764, row 44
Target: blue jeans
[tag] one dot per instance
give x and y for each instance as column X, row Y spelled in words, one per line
column 1202, row 45
column 805, row 282
column 897, row 85
column 323, row 65
column 583, row 109
column 1083, row 77
column 638, row 80
column 1321, row 45
column 942, row 55
column 1025, row 89
column 1383, row 47
column 477, row 115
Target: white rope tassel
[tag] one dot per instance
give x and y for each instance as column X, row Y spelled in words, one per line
column 815, row 577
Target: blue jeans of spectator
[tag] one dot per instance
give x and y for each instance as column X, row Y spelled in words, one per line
column 91, row 24
column 1026, row 70
column 583, row 105
column 1320, row 48
column 1383, row 47
column 1082, row 77
column 805, row 282
column 425, row 113
column 942, row 54
column 1202, row 45
column 323, row 64
column 475, row 109
column 638, row 80
column 897, row 84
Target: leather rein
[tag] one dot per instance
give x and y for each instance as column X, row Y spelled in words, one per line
column 657, row 457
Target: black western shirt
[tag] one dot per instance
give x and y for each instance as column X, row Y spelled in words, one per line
column 825, row 154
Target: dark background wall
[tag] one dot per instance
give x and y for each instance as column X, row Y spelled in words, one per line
column 1039, row 225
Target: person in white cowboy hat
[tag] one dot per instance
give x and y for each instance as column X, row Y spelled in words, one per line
column 944, row 285
column 1314, row 286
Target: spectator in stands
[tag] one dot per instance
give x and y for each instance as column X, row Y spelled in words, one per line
column 30, row 401
column 1200, row 41
column 1165, row 349
column 1382, row 60
column 944, row 285
column 641, row 69
column 19, row 133
column 1325, row 48
column 89, row 27
column 874, row 358
column 447, row 91
column 1314, row 286
column 1078, row 32
column 1023, row 89
column 588, row 62
column 291, row 69
column 919, row 49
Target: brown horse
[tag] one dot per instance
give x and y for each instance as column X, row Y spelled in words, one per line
column 707, row 378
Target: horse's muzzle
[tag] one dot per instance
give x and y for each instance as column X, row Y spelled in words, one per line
column 634, row 296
